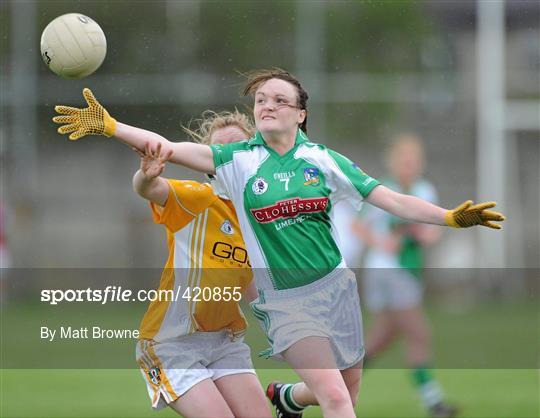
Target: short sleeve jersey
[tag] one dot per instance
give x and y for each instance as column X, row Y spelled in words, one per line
column 383, row 223
column 206, row 250
column 285, row 205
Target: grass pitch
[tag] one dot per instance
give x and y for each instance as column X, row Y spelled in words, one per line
column 385, row 393
column 488, row 359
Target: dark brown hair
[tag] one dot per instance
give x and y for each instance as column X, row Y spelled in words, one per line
column 258, row 77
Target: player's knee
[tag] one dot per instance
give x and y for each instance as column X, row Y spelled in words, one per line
column 335, row 396
column 419, row 335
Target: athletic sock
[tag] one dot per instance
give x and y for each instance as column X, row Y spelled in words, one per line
column 428, row 388
column 287, row 400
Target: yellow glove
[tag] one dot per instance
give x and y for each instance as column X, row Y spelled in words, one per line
column 93, row 120
column 467, row 214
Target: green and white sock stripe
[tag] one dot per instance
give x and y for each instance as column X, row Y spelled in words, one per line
column 428, row 388
column 287, row 400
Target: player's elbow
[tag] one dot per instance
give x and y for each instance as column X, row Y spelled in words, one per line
column 142, row 187
column 155, row 190
column 136, row 183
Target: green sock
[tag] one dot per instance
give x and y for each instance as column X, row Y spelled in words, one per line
column 428, row 388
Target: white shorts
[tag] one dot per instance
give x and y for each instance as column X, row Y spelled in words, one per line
column 391, row 288
column 172, row 367
column 329, row 307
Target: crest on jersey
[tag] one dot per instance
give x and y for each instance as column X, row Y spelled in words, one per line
column 311, row 174
column 358, row 168
column 227, row 228
column 155, row 375
column 259, row 186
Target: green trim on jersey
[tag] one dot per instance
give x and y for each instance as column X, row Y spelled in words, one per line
column 285, row 205
column 224, row 154
column 258, row 139
column 363, row 183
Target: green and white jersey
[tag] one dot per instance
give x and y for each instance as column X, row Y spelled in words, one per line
column 285, row 206
column 411, row 254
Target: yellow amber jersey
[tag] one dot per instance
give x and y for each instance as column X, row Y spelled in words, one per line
column 206, row 250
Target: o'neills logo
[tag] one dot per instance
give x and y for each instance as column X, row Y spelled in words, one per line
column 289, row 208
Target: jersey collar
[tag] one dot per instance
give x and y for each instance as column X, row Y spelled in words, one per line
column 258, row 139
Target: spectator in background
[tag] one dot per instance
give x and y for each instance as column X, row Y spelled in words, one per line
column 392, row 282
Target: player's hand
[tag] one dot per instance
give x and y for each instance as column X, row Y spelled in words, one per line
column 467, row 214
column 92, row 120
column 153, row 162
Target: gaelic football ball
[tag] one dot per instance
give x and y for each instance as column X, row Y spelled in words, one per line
column 73, row 46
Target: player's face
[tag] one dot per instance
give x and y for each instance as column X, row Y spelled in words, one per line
column 406, row 163
column 276, row 108
column 227, row 135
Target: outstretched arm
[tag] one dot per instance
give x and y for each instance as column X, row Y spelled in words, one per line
column 95, row 120
column 189, row 154
column 418, row 210
column 405, row 206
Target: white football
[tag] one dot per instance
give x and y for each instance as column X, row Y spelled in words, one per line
column 73, row 46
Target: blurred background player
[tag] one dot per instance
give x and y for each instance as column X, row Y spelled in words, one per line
column 392, row 281
column 192, row 354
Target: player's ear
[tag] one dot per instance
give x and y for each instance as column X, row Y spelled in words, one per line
column 302, row 116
